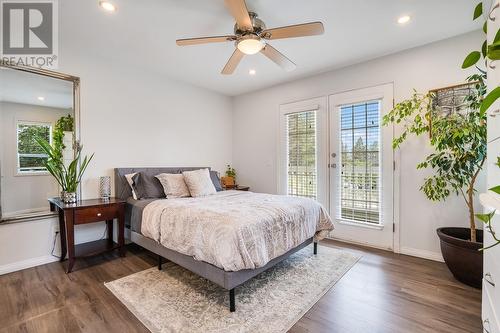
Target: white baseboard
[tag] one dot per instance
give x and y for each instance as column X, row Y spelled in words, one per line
column 350, row 241
column 17, row 266
column 436, row 256
column 409, row 251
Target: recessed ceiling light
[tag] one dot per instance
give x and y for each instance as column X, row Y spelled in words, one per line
column 404, row 19
column 106, row 5
column 41, row 98
column 252, row 72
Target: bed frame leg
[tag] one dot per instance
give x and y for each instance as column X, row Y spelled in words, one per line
column 160, row 260
column 232, row 301
column 315, row 247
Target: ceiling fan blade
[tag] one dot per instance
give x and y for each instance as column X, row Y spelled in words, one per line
column 278, row 58
column 205, row 40
column 238, row 9
column 292, row 31
column 233, row 62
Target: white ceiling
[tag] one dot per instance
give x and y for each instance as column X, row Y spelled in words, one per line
column 143, row 33
column 25, row 88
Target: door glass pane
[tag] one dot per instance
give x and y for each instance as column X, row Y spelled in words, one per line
column 301, row 154
column 360, row 159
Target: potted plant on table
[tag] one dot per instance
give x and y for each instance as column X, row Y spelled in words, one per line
column 229, row 181
column 68, row 177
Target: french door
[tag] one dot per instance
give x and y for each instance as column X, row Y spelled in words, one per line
column 361, row 166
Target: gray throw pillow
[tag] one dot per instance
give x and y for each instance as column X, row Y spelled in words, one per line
column 216, row 180
column 147, row 187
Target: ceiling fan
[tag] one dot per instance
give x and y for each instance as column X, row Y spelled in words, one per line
column 251, row 35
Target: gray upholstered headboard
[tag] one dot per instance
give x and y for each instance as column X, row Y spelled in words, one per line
column 122, row 189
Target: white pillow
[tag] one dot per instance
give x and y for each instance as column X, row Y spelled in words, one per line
column 199, row 182
column 174, row 185
column 131, row 183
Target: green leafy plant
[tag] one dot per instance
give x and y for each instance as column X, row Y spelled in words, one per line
column 458, row 141
column 63, row 124
column 68, row 177
column 230, row 172
column 487, row 52
column 486, row 218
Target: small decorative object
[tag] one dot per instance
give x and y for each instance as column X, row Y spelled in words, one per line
column 452, row 100
column 105, row 187
column 230, row 180
column 68, row 177
column 227, row 182
column 68, row 197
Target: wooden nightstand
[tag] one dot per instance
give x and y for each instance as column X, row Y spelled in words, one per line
column 84, row 212
column 238, row 188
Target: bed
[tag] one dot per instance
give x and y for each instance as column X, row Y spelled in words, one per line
column 228, row 237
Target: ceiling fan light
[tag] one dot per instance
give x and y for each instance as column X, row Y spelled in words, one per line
column 108, row 6
column 251, row 45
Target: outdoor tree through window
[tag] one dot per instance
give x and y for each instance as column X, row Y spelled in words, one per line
column 30, row 156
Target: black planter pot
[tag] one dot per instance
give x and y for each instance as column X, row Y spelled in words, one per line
column 462, row 256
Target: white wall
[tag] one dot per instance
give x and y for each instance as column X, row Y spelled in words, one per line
column 255, row 127
column 128, row 118
column 22, row 193
column 134, row 118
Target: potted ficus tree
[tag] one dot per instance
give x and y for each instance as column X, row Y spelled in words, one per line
column 459, row 153
column 459, row 142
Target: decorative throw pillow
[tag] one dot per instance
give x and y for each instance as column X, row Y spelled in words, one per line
column 199, row 182
column 174, row 185
column 131, row 184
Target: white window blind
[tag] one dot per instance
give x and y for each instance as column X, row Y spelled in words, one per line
column 30, row 156
column 360, row 174
column 301, row 154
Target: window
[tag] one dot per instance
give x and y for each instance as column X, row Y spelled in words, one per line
column 301, row 154
column 360, row 162
column 30, row 156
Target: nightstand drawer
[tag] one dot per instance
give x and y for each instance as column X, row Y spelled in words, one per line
column 95, row 214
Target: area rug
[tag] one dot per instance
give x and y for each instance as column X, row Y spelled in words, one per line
column 176, row 300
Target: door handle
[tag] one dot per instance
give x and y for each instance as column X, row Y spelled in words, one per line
column 486, row 322
column 488, row 278
column 332, row 165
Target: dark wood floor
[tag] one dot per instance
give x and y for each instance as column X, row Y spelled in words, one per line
column 383, row 292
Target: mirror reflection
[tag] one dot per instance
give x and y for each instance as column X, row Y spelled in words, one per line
column 31, row 106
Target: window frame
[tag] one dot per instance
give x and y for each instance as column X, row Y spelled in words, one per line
column 320, row 105
column 18, row 172
column 316, row 166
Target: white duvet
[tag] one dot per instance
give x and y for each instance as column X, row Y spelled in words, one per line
column 235, row 230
